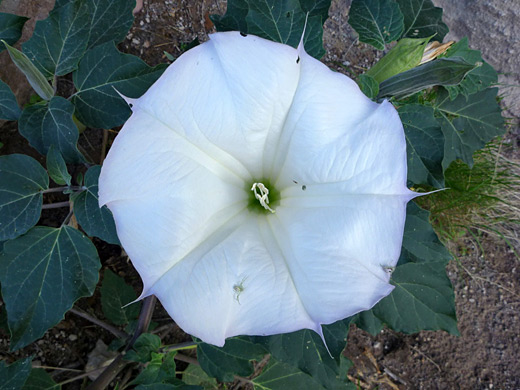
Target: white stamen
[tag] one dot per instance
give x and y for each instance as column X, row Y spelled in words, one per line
column 261, row 193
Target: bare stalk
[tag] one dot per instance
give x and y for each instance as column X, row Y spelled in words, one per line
column 118, row 364
column 112, row 329
column 55, row 205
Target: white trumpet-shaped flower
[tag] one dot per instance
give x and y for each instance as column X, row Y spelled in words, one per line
column 257, row 192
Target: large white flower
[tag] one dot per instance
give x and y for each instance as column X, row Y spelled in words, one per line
column 188, row 177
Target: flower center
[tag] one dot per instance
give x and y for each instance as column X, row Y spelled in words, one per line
column 263, row 197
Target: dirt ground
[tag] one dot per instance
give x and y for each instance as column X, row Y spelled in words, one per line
column 486, row 277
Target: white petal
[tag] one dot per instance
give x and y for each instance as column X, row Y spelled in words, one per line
column 230, row 96
column 166, row 195
column 335, row 134
column 338, row 249
column 200, row 291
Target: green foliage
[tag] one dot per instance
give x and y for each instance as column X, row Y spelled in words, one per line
column 11, row 28
column 422, row 19
column 424, row 145
column 234, row 358
column 14, row 375
column 481, row 77
column 115, row 294
column 144, row 348
column 368, row 85
column 423, row 296
column 282, row 376
column 40, row 380
column 31, row 266
column 59, row 41
column 102, row 73
column 35, row 78
column 278, row 21
column 376, row 21
column 96, row 221
column 57, row 168
column 22, row 179
column 49, row 124
column 443, row 71
column 468, row 123
column 9, row 108
column 160, row 370
column 195, row 375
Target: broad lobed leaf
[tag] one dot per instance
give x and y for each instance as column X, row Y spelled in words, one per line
column 468, row 123
column 22, row 180
column 376, row 21
column 424, row 145
column 11, row 28
column 102, row 73
column 115, row 295
column 423, row 298
column 422, row 19
column 32, row 265
column 96, row 221
column 49, row 124
column 280, row 21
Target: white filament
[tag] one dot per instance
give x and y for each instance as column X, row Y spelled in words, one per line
column 262, row 194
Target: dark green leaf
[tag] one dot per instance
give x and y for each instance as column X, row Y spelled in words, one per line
column 40, row 380
column 115, row 294
column 111, row 20
column 305, row 351
column 476, row 80
column 279, row 21
column 282, row 376
column 57, row 168
column 368, row 85
column 367, row 321
column 59, row 42
column 422, row 19
column 145, row 346
column 234, row 358
column 423, row 299
column 13, row 377
column 9, row 108
column 22, row 180
column 443, row 71
column 194, row 375
column 160, row 369
column 424, row 145
column 235, row 17
column 50, row 123
column 11, row 28
column 35, row 78
column 406, row 55
column 101, row 72
column 376, row 21
column 468, row 123
column 31, row 268
column 96, row 221
column 178, row 385
column 420, row 242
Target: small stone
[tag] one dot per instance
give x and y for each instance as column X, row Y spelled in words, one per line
column 73, row 337
column 136, row 41
column 146, row 44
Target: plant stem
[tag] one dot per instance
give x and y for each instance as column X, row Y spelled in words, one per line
column 61, row 189
column 55, row 205
column 186, row 359
column 118, row 364
column 112, row 329
column 180, row 346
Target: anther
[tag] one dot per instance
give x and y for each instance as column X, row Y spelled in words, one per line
column 262, row 195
